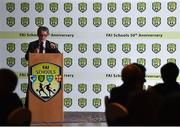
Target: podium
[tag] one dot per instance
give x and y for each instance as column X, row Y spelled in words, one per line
column 45, row 90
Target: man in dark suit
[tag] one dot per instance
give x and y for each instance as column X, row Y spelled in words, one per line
column 42, row 45
column 133, row 80
column 169, row 74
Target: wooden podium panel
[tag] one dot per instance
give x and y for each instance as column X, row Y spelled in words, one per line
column 51, row 110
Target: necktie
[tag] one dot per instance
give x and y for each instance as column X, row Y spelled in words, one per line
column 41, row 48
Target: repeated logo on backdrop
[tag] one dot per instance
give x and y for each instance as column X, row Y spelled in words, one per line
column 97, row 7
column 98, row 49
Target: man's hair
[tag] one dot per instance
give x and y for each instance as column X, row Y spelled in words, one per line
column 8, row 79
column 169, row 72
column 42, row 28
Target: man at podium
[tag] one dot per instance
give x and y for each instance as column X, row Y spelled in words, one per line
column 42, row 45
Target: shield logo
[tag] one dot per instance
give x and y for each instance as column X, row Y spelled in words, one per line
column 82, row 21
column 82, row 62
column 111, row 21
column 68, row 21
column 10, row 21
column 68, row 47
column 126, row 47
column 82, row 47
column 25, row 7
column 97, row 62
column 141, row 47
column 111, row 47
column 171, row 21
column 111, row 7
column 111, row 62
column 49, row 78
column 24, row 87
column 39, row 7
column 156, row 62
column 53, row 21
column 171, row 60
column 126, row 21
column 67, row 62
column 156, row 6
column 67, row 102
column 68, row 7
column 53, row 7
column 24, row 62
column 10, row 6
column 39, row 21
column 41, row 78
column 24, row 47
column 96, row 102
column 97, row 21
column 156, row 21
column 172, row 6
column 33, row 78
column 126, row 61
column 82, row 7
column 82, row 88
column 141, row 61
column 67, row 87
column 46, row 86
column 97, row 88
column 171, row 48
column 141, row 21
column 156, row 47
column 10, row 61
column 25, row 21
column 141, row 6
column 110, row 86
column 97, row 7
column 126, row 6
column 10, row 47
column 82, row 102
column 97, row 47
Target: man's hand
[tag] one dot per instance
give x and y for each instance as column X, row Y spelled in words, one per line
column 52, row 45
column 36, row 50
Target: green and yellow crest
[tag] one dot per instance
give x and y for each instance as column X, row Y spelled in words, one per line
column 82, row 62
column 97, row 7
column 67, row 102
column 25, row 7
column 10, row 6
column 53, row 7
column 82, row 7
column 141, row 6
column 96, row 102
column 39, row 21
column 45, row 80
column 39, row 7
column 68, row 61
column 126, row 61
column 97, row 62
column 156, row 62
column 111, row 62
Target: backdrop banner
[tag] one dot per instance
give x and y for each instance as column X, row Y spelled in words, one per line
column 98, row 38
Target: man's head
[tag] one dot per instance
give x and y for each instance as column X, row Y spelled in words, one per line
column 142, row 68
column 8, row 81
column 42, row 33
column 169, row 72
column 132, row 75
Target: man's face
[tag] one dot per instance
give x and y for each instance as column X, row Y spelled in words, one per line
column 43, row 35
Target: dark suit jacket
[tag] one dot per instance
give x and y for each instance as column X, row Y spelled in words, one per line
column 121, row 94
column 164, row 89
column 8, row 104
column 35, row 44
